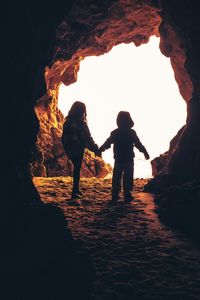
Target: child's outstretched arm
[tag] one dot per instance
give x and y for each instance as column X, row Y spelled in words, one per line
column 146, row 154
column 140, row 147
column 107, row 144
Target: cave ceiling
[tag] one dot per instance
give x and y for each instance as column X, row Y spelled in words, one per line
column 92, row 30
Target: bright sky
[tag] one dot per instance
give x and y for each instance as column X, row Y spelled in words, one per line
column 136, row 79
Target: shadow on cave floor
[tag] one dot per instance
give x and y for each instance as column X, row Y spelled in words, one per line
column 134, row 256
column 39, row 258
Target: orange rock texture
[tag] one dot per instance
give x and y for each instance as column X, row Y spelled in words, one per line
column 172, row 45
column 94, row 29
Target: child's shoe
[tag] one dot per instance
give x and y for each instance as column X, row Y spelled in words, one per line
column 115, row 198
column 128, row 198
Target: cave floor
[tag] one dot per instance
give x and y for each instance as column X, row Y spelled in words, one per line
column 134, row 255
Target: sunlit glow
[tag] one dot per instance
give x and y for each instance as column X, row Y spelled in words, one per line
column 139, row 80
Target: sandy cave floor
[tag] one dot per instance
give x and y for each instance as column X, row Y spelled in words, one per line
column 134, row 255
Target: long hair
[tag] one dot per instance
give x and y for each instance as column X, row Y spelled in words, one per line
column 124, row 120
column 77, row 111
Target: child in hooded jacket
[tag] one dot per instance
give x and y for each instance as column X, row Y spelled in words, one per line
column 123, row 138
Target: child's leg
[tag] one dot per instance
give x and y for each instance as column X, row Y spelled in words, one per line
column 116, row 179
column 128, row 179
column 77, row 161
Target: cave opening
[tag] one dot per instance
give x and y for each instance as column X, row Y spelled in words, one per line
column 139, row 80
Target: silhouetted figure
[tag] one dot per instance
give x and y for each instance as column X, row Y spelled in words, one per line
column 75, row 138
column 124, row 139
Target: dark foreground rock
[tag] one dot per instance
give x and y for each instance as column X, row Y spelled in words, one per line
column 39, row 257
column 178, row 204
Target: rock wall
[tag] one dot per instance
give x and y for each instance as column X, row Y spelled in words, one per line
column 179, row 41
column 160, row 165
column 177, row 185
column 39, row 257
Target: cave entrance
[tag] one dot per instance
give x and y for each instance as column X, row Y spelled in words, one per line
column 139, row 80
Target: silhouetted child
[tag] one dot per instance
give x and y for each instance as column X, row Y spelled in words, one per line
column 76, row 137
column 124, row 139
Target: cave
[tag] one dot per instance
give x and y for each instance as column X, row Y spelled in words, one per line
column 42, row 48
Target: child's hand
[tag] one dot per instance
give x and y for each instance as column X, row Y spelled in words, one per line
column 146, row 155
column 98, row 153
